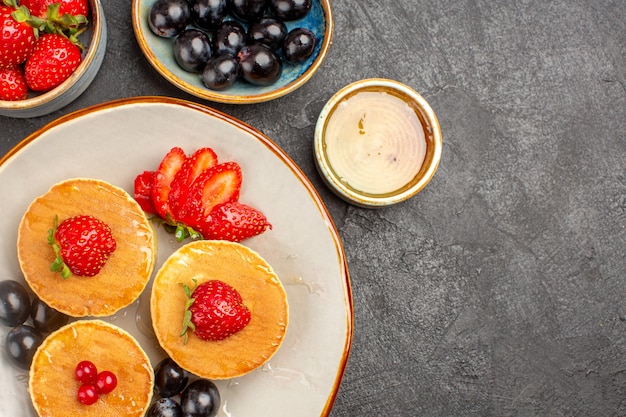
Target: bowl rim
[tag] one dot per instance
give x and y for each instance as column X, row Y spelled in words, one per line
column 224, row 97
column 91, row 50
column 429, row 122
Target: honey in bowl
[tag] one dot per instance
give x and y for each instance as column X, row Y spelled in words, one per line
column 377, row 142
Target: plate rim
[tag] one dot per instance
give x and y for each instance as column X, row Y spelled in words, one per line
column 274, row 148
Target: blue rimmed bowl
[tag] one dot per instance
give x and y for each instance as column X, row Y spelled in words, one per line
column 40, row 104
column 159, row 52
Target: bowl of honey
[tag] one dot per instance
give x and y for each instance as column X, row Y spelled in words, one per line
column 377, row 142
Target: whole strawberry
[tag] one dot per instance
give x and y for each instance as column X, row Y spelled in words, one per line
column 54, row 59
column 233, row 221
column 17, row 37
column 12, row 84
column 40, row 7
column 215, row 311
column 82, row 244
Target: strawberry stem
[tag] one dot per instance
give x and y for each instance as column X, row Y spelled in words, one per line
column 187, row 323
column 57, row 265
column 180, row 230
column 66, row 25
column 21, row 14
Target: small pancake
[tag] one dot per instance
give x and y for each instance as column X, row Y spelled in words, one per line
column 260, row 289
column 126, row 272
column 52, row 384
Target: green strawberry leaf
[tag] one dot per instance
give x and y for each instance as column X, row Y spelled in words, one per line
column 57, row 265
column 187, row 323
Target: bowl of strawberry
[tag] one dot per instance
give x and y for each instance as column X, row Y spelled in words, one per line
column 53, row 53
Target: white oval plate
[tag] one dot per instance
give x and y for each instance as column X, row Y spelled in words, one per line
column 117, row 140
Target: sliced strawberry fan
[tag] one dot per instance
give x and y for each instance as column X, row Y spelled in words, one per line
column 196, row 196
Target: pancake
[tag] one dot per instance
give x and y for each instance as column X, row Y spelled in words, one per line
column 52, row 383
column 260, row 289
column 125, row 274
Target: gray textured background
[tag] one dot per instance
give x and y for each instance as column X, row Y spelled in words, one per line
column 500, row 290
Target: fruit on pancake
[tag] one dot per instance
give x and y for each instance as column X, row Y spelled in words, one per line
column 259, row 289
column 106, row 381
column 82, row 244
column 93, row 383
column 215, row 311
column 127, row 269
column 122, row 388
column 185, row 190
column 86, row 372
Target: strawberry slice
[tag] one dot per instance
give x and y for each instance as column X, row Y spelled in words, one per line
column 165, row 174
column 234, row 221
column 143, row 191
column 199, row 161
column 216, row 185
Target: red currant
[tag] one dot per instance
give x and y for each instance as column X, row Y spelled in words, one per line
column 87, row 394
column 106, row 382
column 86, row 372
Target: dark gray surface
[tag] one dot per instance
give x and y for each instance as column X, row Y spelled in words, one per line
column 500, row 290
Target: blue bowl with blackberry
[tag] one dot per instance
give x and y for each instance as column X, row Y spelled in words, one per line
column 234, row 51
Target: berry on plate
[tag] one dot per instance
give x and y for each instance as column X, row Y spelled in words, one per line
column 234, row 221
column 143, row 191
column 54, row 59
column 82, row 244
column 199, row 161
column 215, row 311
column 216, row 185
column 165, row 174
column 13, row 84
column 185, row 190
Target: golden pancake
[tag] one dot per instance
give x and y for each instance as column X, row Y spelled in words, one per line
column 125, row 274
column 260, row 289
column 52, row 383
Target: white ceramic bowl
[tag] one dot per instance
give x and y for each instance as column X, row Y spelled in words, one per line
column 95, row 39
column 158, row 52
column 377, row 143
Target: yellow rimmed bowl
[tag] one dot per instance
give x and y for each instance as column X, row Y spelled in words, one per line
column 40, row 104
column 159, row 52
column 377, row 142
